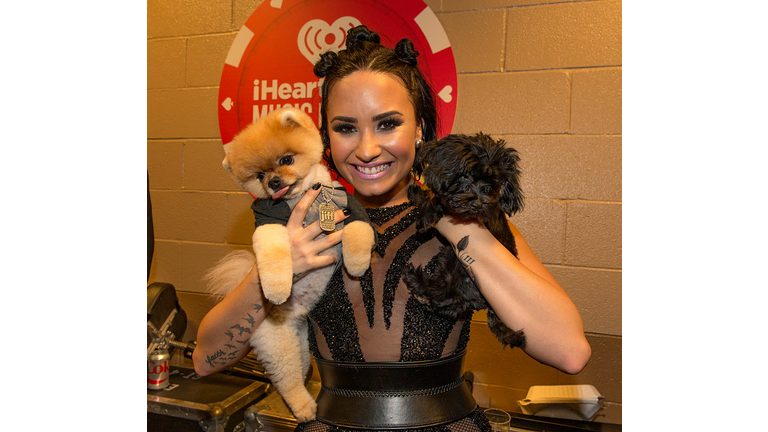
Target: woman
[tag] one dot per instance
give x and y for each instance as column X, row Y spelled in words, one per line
column 376, row 110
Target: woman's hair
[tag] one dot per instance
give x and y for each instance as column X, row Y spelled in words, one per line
column 364, row 53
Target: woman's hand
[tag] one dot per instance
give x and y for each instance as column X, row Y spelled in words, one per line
column 305, row 246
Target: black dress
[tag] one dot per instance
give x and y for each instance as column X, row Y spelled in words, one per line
column 376, row 319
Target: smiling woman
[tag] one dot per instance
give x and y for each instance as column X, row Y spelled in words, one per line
column 388, row 361
column 373, row 135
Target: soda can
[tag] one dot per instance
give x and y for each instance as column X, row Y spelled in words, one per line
column 158, row 372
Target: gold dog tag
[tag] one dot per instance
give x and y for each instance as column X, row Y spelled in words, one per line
column 327, row 220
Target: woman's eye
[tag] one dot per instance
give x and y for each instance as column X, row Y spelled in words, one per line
column 285, row 160
column 389, row 124
column 343, row 128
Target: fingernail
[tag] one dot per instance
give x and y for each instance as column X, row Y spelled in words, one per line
column 316, row 186
column 346, row 212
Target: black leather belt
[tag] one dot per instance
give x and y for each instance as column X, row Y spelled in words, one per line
column 393, row 395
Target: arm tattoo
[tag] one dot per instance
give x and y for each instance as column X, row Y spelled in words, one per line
column 465, row 259
column 250, row 320
column 211, row 358
column 240, row 329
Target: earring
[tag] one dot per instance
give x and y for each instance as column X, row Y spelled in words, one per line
column 418, row 143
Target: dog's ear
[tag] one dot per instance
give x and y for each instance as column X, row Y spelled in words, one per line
column 422, row 155
column 511, row 199
column 293, row 118
column 432, row 161
column 225, row 163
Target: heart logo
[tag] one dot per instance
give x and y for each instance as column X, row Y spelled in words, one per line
column 227, row 104
column 445, row 94
column 314, row 36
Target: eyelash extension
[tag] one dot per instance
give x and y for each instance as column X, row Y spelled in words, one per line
column 395, row 122
column 343, row 128
column 386, row 124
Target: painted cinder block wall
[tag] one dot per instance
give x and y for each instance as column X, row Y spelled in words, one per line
column 543, row 75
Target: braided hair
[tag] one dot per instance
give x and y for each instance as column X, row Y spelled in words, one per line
column 364, row 52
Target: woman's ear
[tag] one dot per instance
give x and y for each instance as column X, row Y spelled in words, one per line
column 420, row 131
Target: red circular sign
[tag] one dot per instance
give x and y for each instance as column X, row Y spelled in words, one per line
column 270, row 63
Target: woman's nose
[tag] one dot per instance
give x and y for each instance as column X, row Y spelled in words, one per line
column 368, row 149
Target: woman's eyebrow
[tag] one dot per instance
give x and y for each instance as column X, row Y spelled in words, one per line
column 385, row 115
column 344, row 119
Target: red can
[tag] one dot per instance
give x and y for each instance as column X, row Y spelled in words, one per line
column 158, row 371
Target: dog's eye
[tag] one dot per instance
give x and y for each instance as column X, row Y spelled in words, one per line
column 259, row 176
column 485, row 189
column 285, row 160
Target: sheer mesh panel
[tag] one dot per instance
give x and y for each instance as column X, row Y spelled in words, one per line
column 375, row 318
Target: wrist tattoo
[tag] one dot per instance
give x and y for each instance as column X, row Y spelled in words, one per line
column 297, row 276
column 465, row 259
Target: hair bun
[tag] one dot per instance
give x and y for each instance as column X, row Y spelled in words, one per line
column 406, row 52
column 359, row 34
column 328, row 61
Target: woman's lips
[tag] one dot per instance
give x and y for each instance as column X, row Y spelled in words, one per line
column 371, row 171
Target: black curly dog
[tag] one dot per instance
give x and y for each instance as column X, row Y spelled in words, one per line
column 466, row 177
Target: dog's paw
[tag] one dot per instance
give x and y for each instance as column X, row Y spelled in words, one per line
column 275, row 293
column 357, row 242
column 273, row 259
column 276, row 282
column 306, row 410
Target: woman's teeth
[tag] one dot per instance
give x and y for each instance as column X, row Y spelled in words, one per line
column 372, row 170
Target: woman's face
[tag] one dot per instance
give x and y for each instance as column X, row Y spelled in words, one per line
column 373, row 133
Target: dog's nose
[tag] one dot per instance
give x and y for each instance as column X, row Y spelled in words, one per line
column 274, row 183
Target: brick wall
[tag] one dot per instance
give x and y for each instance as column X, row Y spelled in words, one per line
column 544, row 75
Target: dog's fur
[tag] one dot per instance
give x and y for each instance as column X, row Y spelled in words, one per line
column 467, row 177
column 278, row 158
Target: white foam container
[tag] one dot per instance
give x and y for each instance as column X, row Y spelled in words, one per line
column 576, row 402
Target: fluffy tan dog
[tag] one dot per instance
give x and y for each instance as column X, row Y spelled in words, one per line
column 277, row 159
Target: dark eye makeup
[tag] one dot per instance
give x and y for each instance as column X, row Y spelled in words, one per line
column 390, row 123
column 343, row 128
column 384, row 122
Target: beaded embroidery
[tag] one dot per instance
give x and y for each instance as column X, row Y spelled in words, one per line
column 424, row 333
column 394, row 231
column 395, row 272
column 336, row 319
column 366, row 284
column 422, row 342
column 380, row 216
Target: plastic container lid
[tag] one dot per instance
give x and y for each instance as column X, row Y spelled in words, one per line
column 580, row 402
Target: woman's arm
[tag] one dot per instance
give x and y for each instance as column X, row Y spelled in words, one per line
column 222, row 339
column 523, row 294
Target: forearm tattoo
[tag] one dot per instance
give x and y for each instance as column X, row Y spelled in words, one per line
column 238, row 336
column 465, row 259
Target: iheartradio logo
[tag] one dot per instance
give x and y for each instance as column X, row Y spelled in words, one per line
column 316, row 36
